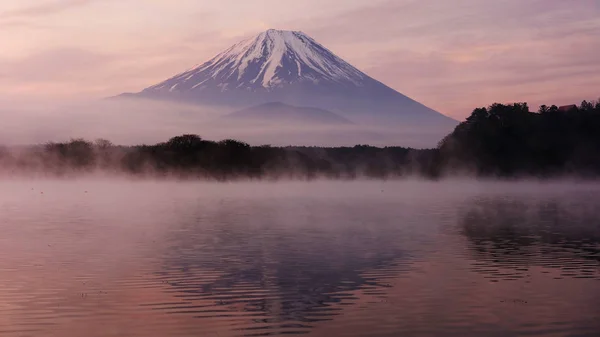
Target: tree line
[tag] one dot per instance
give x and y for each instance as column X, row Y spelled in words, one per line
column 510, row 140
column 499, row 140
column 190, row 156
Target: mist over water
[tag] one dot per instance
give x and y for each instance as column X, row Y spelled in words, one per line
column 456, row 258
column 139, row 121
column 184, row 168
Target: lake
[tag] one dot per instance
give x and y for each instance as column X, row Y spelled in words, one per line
column 363, row 258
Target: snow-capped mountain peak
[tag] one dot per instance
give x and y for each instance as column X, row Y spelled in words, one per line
column 269, row 60
column 291, row 68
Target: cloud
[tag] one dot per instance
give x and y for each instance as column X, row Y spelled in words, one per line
column 19, row 24
column 54, row 65
column 78, row 73
column 457, row 55
column 451, row 55
column 45, row 8
column 434, row 20
column 54, row 73
column 456, row 80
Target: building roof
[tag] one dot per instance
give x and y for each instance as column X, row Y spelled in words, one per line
column 566, row 108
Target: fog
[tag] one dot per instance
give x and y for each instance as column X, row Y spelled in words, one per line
column 137, row 121
column 122, row 122
column 69, row 139
column 152, row 258
column 411, row 190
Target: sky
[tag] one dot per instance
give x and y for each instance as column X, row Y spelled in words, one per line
column 452, row 56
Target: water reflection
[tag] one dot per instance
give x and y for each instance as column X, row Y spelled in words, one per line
column 283, row 268
column 324, row 259
column 508, row 235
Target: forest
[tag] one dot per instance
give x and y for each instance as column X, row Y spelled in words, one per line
column 510, row 140
column 190, row 156
column 497, row 141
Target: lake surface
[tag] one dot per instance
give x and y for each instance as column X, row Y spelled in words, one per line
column 117, row 258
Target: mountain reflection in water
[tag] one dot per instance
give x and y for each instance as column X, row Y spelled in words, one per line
column 322, row 259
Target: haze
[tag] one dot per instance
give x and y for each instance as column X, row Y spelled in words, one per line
column 451, row 56
column 98, row 258
column 134, row 122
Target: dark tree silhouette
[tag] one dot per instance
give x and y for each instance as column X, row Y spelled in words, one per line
column 503, row 140
column 510, row 140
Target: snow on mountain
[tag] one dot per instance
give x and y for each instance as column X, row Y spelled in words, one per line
column 272, row 59
column 292, row 68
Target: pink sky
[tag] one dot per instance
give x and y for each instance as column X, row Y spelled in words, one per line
column 450, row 55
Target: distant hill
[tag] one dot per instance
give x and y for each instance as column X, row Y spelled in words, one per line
column 277, row 112
column 292, row 68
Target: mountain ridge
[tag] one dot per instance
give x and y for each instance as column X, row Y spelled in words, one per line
column 271, row 59
column 293, row 68
column 277, row 112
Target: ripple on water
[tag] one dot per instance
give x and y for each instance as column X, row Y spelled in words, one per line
column 148, row 259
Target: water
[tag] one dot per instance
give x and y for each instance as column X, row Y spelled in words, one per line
column 115, row 258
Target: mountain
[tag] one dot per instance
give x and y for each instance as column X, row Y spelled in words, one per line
column 270, row 61
column 293, row 68
column 284, row 114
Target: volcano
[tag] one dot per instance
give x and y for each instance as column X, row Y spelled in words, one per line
column 292, row 68
column 279, row 113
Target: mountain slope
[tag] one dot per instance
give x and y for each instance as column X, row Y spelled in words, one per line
column 271, row 59
column 279, row 113
column 292, row 68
